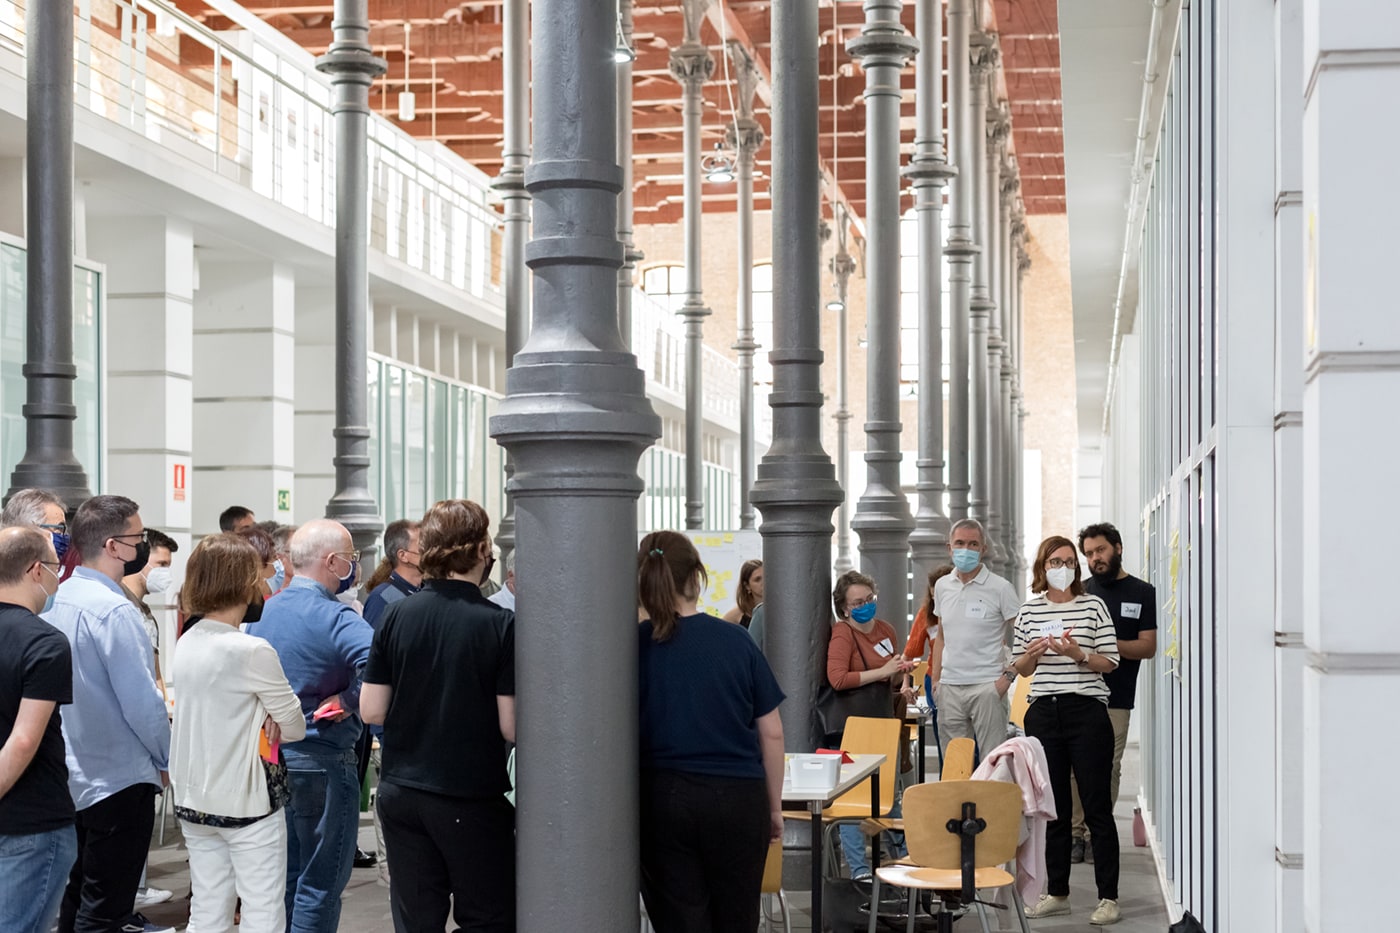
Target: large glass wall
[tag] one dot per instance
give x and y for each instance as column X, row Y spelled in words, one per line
column 87, row 356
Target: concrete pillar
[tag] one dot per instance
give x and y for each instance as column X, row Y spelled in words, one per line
column 745, row 137
column 150, row 287
column 631, row 255
column 961, row 250
column 1350, row 346
column 245, row 391
column 314, row 415
column 796, row 488
column 49, row 412
column 984, row 55
column 352, row 67
column 930, row 172
column 692, row 65
column 576, row 419
column 882, row 515
column 842, row 267
column 511, row 184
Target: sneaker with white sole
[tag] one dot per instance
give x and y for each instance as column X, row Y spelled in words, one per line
column 149, row 897
column 137, row 923
column 1105, row 913
column 1048, row 906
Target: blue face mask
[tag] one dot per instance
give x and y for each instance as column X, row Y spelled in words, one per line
column 865, row 613
column 60, row 544
column 348, row 579
column 965, row 559
column 279, row 575
column 49, row 597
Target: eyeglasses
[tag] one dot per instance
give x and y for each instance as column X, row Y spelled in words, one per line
column 140, row 536
column 56, row 527
column 857, row 603
column 350, row 557
column 55, row 567
column 1056, row 563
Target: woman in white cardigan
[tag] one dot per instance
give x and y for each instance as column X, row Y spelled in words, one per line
column 233, row 706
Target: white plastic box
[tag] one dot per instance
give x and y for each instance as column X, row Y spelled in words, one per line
column 815, row 772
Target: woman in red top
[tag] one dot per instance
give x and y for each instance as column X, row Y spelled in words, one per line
column 925, row 629
column 863, row 650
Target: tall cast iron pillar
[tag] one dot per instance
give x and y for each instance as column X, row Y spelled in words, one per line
column 515, row 153
column 961, row 250
column 1023, row 263
column 692, row 65
column 998, row 128
column 796, row 487
column 49, row 413
column 352, row 67
column 842, row 266
column 576, row 419
column 930, row 172
column 744, row 137
column 1006, row 484
column 882, row 515
column 979, row 448
column 631, row 256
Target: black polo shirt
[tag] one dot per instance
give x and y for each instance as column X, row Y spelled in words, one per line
column 447, row 652
column 36, row 663
column 1133, row 605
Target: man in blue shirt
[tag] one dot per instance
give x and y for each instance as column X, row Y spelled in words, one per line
column 323, row 646
column 117, row 731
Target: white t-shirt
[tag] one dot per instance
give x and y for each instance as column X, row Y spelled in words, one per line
column 975, row 619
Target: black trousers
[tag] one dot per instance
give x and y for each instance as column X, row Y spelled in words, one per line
column 1078, row 738
column 449, row 849
column 113, row 837
column 704, row 844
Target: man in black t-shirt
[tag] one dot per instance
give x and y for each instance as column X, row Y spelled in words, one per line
column 38, row 843
column 1133, row 605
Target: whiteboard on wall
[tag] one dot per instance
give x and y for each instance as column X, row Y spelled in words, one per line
column 723, row 553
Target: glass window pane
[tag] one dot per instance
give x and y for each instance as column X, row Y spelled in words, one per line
column 393, row 462
column 375, row 407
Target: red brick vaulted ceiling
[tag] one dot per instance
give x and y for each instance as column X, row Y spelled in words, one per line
column 453, row 60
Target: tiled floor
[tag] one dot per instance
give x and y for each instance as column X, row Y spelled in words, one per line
column 366, row 905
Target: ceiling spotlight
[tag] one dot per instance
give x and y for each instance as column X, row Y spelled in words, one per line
column 407, row 108
column 835, row 304
column 720, row 174
column 623, row 53
column 718, row 166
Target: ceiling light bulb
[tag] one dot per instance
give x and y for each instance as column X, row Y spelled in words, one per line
column 406, row 107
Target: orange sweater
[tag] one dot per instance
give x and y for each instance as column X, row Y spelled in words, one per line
column 850, row 652
column 920, row 639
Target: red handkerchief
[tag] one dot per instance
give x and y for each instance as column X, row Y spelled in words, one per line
column 845, row 758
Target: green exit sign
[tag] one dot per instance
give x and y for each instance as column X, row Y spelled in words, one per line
column 284, row 500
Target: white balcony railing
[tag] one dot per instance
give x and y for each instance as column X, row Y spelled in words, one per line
column 658, row 339
column 248, row 104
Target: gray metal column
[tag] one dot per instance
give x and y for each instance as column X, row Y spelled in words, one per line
column 1023, row 263
column 1010, row 519
column 842, row 266
column 998, row 129
column 796, row 488
column 631, row 256
column 49, row 413
column 692, row 65
column 576, row 419
column 882, row 515
column 979, row 447
column 744, row 137
column 961, row 250
column 352, row 67
column 930, row 172
column 515, row 153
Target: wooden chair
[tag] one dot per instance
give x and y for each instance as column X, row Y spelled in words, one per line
column 957, row 760
column 1020, row 702
column 960, row 834
column 773, row 886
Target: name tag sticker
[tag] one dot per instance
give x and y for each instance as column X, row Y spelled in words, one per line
column 1132, row 610
column 977, row 609
column 1052, row 628
column 884, row 648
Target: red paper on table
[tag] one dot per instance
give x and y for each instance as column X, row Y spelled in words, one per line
column 845, row 758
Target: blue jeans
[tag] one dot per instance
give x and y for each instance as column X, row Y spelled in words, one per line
column 33, row 873
column 322, row 827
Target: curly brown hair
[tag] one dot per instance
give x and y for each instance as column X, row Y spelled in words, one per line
column 843, row 583
column 451, row 538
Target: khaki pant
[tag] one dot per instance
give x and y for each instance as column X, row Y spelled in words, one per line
column 1120, row 719
column 972, row 711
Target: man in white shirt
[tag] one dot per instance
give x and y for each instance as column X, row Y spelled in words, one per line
column 505, row 596
column 969, row 662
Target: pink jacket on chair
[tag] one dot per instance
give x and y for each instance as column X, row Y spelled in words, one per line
column 1021, row 761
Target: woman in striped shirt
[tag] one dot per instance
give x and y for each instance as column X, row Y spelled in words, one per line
column 1065, row 638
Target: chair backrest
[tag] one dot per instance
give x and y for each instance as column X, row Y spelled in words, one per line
column 957, row 760
column 773, row 869
column 1021, row 701
column 867, row 735
column 917, row 675
column 929, row 807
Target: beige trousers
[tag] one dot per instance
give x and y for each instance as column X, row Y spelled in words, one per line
column 973, row 711
column 1120, row 719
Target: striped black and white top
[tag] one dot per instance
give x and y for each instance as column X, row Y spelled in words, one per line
column 1087, row 619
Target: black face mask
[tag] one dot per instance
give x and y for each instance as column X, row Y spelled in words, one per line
column 254, row 611
column 490, row 565
column 137, row 563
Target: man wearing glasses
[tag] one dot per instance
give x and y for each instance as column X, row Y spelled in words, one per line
column 42, row 509
column 117, row 730
column 323, row 645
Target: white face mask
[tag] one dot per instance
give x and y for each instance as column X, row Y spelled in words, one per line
column 158, row 580
column 348, row 598
column 1060, row 578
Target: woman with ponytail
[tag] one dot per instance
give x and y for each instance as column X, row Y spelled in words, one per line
column 711, row 751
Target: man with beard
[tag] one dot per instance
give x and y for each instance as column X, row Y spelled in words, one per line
column 1133, row 605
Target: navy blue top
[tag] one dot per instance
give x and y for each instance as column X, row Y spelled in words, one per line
column 702, row 694
column 385, row 595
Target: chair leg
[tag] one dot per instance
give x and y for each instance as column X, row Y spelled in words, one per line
column 874, row 902
column 763, row 909
column 1019, row 906
column 913, row 909
column 982, row 916
column 164, row 809
column 786, row 913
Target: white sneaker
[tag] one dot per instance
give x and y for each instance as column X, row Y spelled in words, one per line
column 1105, row 913
column 149, row 897
column 1048, row 907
